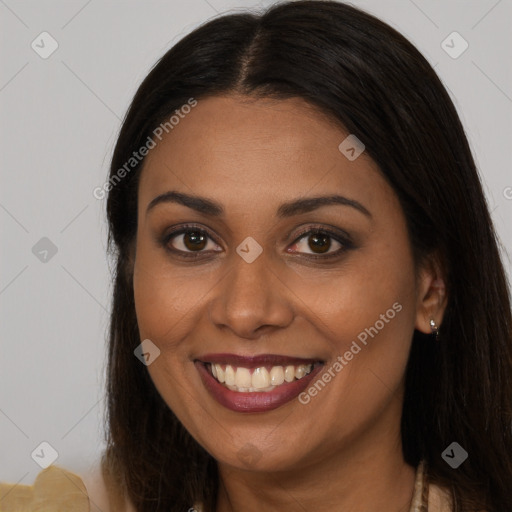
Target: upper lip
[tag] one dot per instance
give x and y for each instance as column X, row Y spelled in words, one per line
column 255, row 361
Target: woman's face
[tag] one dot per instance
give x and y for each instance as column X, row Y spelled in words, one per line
column 251, row 292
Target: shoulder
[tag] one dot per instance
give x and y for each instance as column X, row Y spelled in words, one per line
column 57, row 488
column 428, row 495
column 54, row 488
column 103, row 492
column 439, row 499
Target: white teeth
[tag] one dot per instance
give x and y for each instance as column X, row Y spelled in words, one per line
column 260, row 378
column 277, row 375
column 300, row 371
column 242, row 380
column 230, row 375
column 289, row 373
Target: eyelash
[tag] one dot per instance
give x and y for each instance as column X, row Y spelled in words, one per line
column 343, row 240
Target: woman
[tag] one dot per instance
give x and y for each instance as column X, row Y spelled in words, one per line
column 342, row 337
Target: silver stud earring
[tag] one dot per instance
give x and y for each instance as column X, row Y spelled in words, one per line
column 435, row 328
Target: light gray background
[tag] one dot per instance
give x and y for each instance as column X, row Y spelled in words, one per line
column 59, row 120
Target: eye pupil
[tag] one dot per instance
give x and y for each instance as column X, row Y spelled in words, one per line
column 319, row 241
column 194, row 240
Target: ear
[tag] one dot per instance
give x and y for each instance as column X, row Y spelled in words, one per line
column 431, row 296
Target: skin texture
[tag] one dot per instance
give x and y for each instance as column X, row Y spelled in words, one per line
column 342, row 450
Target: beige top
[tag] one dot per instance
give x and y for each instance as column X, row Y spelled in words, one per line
column 60, row 490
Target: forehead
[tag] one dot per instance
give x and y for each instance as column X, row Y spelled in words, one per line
column 245, row 151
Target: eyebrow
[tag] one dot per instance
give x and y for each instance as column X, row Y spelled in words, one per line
column 296, row 207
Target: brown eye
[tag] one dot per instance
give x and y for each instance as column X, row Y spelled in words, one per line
column 194, row 240
column 319, row 243
column 186, row 241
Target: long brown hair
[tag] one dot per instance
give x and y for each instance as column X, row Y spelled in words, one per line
column 362, row 73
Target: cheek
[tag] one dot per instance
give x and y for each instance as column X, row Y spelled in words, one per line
column 366, row 315
column 367, row 299
column 165, row 296
column 368, row 320
column 366, row 312
column 165, row 300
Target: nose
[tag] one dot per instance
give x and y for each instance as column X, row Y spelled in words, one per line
column 252, row 299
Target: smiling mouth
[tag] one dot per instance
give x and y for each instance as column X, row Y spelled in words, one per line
column 258, row 379
column 255, row 384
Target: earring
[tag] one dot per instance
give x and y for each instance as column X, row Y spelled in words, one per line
column 435, row 328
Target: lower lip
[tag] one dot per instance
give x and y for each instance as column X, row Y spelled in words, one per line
column 257, row 401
